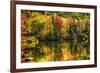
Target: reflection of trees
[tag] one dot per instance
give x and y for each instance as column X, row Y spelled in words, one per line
column 79, row 39
column 46, row 51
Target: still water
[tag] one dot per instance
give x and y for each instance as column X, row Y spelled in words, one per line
column 45, row 51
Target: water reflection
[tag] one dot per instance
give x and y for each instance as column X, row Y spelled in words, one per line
column 46, row 51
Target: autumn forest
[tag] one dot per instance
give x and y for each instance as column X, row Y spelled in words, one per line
column 48, row 36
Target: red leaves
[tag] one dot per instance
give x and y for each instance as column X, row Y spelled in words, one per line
column 23, row 22
column 58, row 21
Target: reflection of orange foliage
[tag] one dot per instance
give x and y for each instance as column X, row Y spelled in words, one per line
column 49, row 54
column 67, row 55
column 61, row 57
column 23, row 56
column 22, row 53
column 70, row 57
